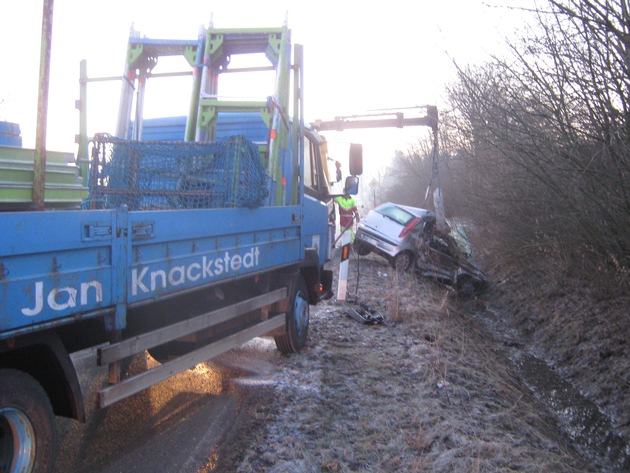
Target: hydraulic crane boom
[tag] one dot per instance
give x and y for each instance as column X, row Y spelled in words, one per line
column 369, row 121
column 397, row 119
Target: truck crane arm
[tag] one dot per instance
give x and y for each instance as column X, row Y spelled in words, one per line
column 379, row 120
column 397, row 119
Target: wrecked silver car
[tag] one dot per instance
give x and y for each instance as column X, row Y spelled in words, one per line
column 409, row 239
column 387, row 231
column 446, row 255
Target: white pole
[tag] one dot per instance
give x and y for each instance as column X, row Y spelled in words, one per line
column 342, row 283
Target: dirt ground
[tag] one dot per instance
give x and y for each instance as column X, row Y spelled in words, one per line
column 437, row 387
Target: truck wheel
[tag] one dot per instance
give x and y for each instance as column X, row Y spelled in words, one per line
column 294, row 338
column 27, row 424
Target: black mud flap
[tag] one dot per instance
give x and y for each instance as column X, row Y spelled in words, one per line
column 326, row 280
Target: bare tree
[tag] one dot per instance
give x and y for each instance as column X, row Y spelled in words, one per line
column 542, row 137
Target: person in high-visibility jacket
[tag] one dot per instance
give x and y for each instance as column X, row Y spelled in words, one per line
column 347, row 213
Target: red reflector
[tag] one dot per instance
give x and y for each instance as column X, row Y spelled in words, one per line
column 284, row 180
column 272, row 134
column 410, row 226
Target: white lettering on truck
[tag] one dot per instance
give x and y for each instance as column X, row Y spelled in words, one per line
column 61, row 298
column 143, row 280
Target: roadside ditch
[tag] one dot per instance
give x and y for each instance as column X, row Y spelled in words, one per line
column 438, row 387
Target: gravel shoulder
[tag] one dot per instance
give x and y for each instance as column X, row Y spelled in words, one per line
column 431, row 389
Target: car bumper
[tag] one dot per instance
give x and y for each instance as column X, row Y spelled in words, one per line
column 378, row 245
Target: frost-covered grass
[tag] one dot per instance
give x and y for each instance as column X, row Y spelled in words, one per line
column 430, row 390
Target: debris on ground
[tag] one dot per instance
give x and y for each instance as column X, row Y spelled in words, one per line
column 363, row 314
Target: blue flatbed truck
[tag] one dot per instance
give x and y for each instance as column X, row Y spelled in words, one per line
column 196, row 234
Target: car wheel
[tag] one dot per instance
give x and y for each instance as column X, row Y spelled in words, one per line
column 403, row 261
column 361, row 249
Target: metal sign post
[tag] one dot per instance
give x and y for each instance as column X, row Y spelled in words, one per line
column 39, row 165
column 373, row 185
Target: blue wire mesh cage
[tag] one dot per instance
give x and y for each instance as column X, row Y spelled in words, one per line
column 146, row 175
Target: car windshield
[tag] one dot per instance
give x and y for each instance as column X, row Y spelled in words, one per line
column 395, row 213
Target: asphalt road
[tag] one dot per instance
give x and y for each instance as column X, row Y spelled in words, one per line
column 184, row 424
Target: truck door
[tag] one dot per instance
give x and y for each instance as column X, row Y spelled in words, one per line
column 319, row 227
column 315, row 182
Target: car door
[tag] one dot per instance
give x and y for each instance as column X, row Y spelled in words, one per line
column 438, row 256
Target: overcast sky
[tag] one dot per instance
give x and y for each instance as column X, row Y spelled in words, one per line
column 359, row 56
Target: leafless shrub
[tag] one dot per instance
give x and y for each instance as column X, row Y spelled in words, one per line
column 539, row 142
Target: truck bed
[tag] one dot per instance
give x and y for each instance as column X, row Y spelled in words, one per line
column 60, row 266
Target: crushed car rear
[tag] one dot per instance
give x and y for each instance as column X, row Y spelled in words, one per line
column 409, row 239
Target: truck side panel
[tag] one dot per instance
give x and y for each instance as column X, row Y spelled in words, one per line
column 189, row 248
column 54, row 264
column 56, row 267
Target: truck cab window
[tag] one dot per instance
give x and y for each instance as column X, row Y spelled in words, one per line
column 313, row 177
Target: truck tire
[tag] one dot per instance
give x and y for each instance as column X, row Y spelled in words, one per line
column 27, row 424
column 294, row 339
